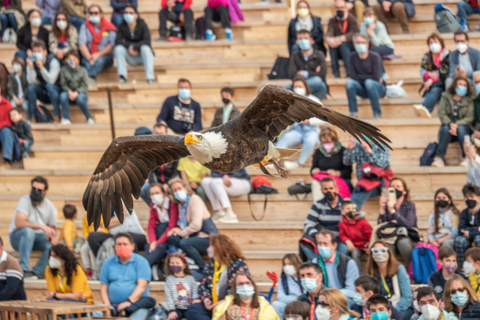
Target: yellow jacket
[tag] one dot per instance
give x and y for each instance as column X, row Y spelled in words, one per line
column 86, row 228
column 474, row 281
column 266, row 310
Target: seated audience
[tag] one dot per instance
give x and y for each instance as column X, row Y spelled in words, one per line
column 244, row 300
column 310, row 64
column 437, row 280
column 7, row 140
column 96, row 40
column 88, row 258
column 471, row 267
column 432, row 306
column 376, row 33
column 456, row 113
column 380, row 308
column 68, row 233
column 50, row 8
column 17, row 86
column 289, row 287
column 297, row 310
column 129, row 294
column 63, row 37
column 43, row 79
column 7, row 15
column 226, row 262
column 465, row 8
column 181, row 289
column 355, row 232
column 393, row 278
column 472, row 150
column 66, row 280
column 340, row 31
column 119, row 10
column 469, row 225
column 133, row 45
column 228, row 111
column 33, row 226
column 328, row 162
column 464, row 61
column 192, row 173
column 32, row 31
column 181, row 113
column 23, row 130
column 217, row 10
column 460, row 299
column 400, row 9
column 311, row 276
column 305, row 21
column 367, row 158
column 355, row 7
column 334, row 305
column 434, row 70
column 76, row 10
column 74, row 84
column 443, row 221
column 178, row 12
column 11, row 285
column 219, row 187
column 365, row 78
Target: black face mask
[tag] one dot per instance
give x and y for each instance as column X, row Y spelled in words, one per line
column 36, row 196
column 471, row 203
column 329, row 196
column 225, row 101
column 351, row 214
column 340, row 14
column 398, row 193
column 441, row 203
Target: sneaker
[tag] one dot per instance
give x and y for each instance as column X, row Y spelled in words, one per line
column 162, row 39
column 217, row 215
column 91, row 82
column 188, row 38
column 289, row 165
column 155, row 272
column 122, row 80
column 65, row 122
column 464, row 163
column 89, row 273
column 385, row 76
column 150, row 81
column 421, row 111
column 464, row 25
column 228, row 34
column 209, row 35
column 477, row 28
column 29, row 275
column 406, row 32
column 90, row 121
column 353, row 115
column 229, row 218
column 438, row 162
column 377, row 116
column 25, row 155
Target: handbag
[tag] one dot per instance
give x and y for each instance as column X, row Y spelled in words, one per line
column 300, row 187
column 265, row 190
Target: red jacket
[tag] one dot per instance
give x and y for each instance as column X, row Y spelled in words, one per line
column 154, row 220
column 186, row 4
column 358, row 231
column 473, row 3
column 5, row 107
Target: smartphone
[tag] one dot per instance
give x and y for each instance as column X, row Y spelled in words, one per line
column 385, row 193
column 392, row 195
column 468, row 142
column 32, row 58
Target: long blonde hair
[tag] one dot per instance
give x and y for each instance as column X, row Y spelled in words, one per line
column 447, row 296
column 335, row 298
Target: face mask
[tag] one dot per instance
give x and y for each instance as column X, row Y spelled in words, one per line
column 430, row 312
column 54, row 263
column 451, row 267
column 468, row 268
column 62, row 24
column 435, row 47
column 322, row 313
column 398, row 193
column 184, row 93
column 36, row 22
column 129, row 18
column 36, row 197
column 380, row 257
column 175, row 268
column 416, row 307
column 368, row 21
column 462, row 47
column 304, row 44
column 309, row 284
column 329, row 196
column 210, row 252
column 340, row 14
column 475, row 140
column 225, row 101
column 351, row 214
column 460, row 299
column 441, row 203
column 380, row 315
column 302, row 91
column 181, row 195
column 123, row 252
column 477, row 88
column 361, row 48
column 289, row 270
column 357, row 298
column 303, row 12
column 95, row 19
column 72, row 64
column 17, row 68
column 157, row 199
column 245, row 292
column 328, row 146
column 471, row 203
column 461, row 90
column 325, row 252
column 38, row 55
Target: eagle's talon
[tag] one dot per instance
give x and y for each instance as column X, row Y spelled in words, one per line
column 265, row 161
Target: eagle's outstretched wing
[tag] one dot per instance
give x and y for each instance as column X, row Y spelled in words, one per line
column 276, row 108
column 122, row 171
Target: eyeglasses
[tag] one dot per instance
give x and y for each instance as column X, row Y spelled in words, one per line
column 323, row 304
column 377, row 250
column 96, row 13
column 453, row 291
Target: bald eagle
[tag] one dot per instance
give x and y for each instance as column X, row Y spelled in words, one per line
column 240, row 142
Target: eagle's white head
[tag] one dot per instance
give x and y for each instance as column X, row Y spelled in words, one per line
column 206, row 146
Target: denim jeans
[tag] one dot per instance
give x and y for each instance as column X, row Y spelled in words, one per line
column 341, row 52
column 145, row 193
column 444, row 138
column 24, row 241
column 197, row 311
column 7, row 20
column 26, row 146
column 317, row 86
column 6, row 143
column 77, row 22
column 371, row 89
column 431, row 97
column 48, row 94
column 101, row 64
column 117, row 19
column 145, row 58
column 304, row 134
column 193, row 247
column 462, row 244
column 359, row 197
column 21, row 54
column 81, row 100
column 465, row 9
column 140, row 314
column 24, row 107
column 46, row 20
column 160, row 250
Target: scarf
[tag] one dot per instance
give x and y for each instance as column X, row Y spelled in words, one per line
column 105, row 26
column 304, row 23
column 336, row 149
column 216, row 277
column 182, row 214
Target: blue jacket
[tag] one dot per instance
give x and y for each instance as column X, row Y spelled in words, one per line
column 405, row 301
column 317, row 34
column 409, row 6
column 474, row 59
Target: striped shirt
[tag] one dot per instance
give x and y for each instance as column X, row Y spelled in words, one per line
column 465, row 64
column 11, row 279
column 323, row 216
column 180, row 292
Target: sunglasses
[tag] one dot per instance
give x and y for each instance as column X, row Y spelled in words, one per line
column 453, row 291
column 323, row 304
column 377, row 250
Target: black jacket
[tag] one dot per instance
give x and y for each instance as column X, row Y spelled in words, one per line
column 317, row 34
column 164, row 173
column 335, row 162
column 141, row 35
column 469, row 312
column 13, row 85
column 23, row 130
column 465, row 225
column 317, row 58
column 24, row 37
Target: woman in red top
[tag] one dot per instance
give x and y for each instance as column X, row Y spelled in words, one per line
column 6, row 133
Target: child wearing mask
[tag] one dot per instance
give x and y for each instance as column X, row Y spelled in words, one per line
column 297, row 310
column 17, row 86
column 23, row 130
column 448, row 260
column 471, row 268
column 469, row 225
column 443, row 221
column 379, row 308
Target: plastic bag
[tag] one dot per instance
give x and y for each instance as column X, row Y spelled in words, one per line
column 396, row 90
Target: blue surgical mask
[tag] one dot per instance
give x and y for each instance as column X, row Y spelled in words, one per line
column 184, row 93
column 95, row 19
column 460, row 299
column 309, row 284
column 245, row 292
column 72, row 64
column 461, row 90
column 304, row 44
column 477, row 88
column 181, row 195
column 129, row 18
column 38, row 55
column 325, row 252
column 361, row 48
column 368, row 21
column 357, row 298
column 380, row 315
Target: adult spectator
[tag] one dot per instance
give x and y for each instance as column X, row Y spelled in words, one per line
column 431, row 307
column 11, row 285
column 17, row 86
column 448, row 259
column 289, row 286
column 43, row 72
column 400, row 9
column 365, row 78
column 393, row 277
column 7, row 139
column 66, row 280
column 76, row 10
column 217, row 10
column 176, row 11
column 133, row 45
column 443, row 221
column 469, row 225
column 472, row 151
column 402, row 211
column 33, row 227
column 305, row 21
column 456, row 113
column 96, row 40
column 63, row 36
column 365, row 157
column 328, row 162
column 128, row 293
column 7, row 16
column 219, row 187
column 226, row 261
column 228, row 111
column 311, row 276
column 340, row 31
column 310, row 64
column 355, row 7
column 434, row 70
column 119, row 7
column 333, row 303
column 181, row 113
column 50, row 8
column 465, row 60
column 73, row 81
column 460, row 299
column 464, row 9
column 32, row 31
column 244, row 300
column 376, row 33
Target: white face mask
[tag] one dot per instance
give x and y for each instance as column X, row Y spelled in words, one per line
column 430, row 312
column 416, row 307
column 157, row 199
column 299, row 90
column 62, row 24
column 54, row 263
column 435, row 47
column 36, row 22
column 303, row 12
column 468, row 268
column 210, row 252
column 17, row 68
column 289, row 270
column 462, row 47
column 322, row 313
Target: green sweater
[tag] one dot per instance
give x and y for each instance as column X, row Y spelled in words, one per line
column 465, row 110
column 74, row 79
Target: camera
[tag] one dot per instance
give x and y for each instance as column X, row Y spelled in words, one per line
column 187, row 127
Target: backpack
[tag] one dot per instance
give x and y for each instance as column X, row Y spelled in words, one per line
column 177, row 34
column 428, row 154
column 280, row 69
column 424, row 262
column 445, row 20
column 42, row 115
column 9, row 36
column 105, row 251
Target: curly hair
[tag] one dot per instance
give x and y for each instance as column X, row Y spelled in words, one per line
column 225, row 249
column 62, row 252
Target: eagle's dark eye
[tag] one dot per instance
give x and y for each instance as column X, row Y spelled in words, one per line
column 199, row 138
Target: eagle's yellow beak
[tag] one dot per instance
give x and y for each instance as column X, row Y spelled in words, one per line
column 190, row 139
